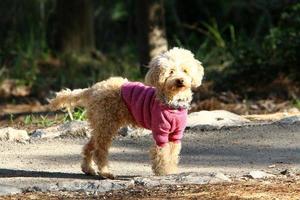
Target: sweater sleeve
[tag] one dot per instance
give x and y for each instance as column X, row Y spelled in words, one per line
column 180, row 124
column 160, row 128
column 176, row 136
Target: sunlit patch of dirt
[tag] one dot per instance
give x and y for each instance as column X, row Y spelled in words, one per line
column 23, row 108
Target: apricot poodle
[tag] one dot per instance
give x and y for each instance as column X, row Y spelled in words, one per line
column 160, row 105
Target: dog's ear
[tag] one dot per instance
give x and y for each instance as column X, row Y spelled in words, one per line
column 155, row 75
column 152, row 76
column 198, row 76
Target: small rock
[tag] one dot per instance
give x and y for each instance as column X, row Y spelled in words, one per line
column 133, row 132
column 124, row 131
column 284, row 172
column 210, row 120
column 79, row 185
column 289, row 120
column 69, row 129
column 9, row 190
column 258, row 174
column 147, row 182
column 287, row 172
column 12, row 134
column 51, row 132
column 221, row 176
column 182, row 178
column 75, row 129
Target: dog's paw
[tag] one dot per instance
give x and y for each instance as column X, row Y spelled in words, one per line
column 106, row 175
column 88, row 171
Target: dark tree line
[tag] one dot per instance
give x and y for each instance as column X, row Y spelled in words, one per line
column 239, row 40
column 74, row 28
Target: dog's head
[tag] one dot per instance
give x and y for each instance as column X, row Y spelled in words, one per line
column 175, row 71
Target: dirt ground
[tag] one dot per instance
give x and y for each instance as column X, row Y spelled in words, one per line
column 258, row 190
column 229, row 151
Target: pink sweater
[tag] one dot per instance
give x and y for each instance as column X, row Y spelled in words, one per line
column 167, row 124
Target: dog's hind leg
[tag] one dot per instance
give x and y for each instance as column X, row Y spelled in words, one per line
column 103, row 142
column 87, row 153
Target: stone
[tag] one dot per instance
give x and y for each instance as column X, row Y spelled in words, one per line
column 9, row 190
column 211, row 120
column 221, row 176
column 133, row 132
column 12, row 134
column 289, row 120
column 287, row 173
column 182, row 178
column 51, row 132
column 204, row 120
column 258, row 174
column 75, row 129
column 77, row 185
column 69, row 129
column 146, row 181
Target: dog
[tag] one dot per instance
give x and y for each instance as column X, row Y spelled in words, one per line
column 160, row 105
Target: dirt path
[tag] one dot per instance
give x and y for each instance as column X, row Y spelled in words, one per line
column 232, row 151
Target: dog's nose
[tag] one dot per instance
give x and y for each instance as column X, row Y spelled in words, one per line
column 179, row 82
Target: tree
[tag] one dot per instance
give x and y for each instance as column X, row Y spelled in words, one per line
column 151, row 33
column 74, row 27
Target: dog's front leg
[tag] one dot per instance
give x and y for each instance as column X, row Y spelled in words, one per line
column 160, row 157
column 175, row 148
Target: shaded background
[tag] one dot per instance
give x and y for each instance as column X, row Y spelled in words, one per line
column 250, row 49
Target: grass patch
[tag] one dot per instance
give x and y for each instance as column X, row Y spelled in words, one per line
column 40, row 121
column 297, row 103
column 44, row 121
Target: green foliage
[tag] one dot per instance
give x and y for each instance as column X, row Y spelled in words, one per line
column 239, row 42
column 47, row 121
column 297, row 103
column 283, row 43
column 119, row 11
column 24, row 42
column 28, row 52
column 11, row 118
column 77, row 114
column 260, row 61
column 82, row 70
column 41, row 121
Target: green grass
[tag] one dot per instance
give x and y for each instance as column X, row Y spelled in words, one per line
column 297, row 103
column 41, row 121
column 47, row 121
column 77, row 114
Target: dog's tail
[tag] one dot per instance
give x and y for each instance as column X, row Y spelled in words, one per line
column 70, row 98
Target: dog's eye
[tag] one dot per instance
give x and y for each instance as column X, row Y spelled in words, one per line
column 172, row 71
column 185, row 71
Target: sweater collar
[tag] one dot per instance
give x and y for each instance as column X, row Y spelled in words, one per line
column 176, row 104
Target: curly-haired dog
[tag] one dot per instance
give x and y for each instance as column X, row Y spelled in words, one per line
column 161, row 106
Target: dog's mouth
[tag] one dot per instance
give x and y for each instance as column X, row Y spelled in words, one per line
column 180, row 84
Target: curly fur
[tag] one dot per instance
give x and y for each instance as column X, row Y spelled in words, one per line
column 107, row 112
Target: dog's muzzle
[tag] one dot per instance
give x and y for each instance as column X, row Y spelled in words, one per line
column 179, row 83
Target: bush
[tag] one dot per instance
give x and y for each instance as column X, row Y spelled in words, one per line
column 262, row 61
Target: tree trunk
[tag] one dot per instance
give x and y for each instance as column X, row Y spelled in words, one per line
column 74, row 26
column 151, row 34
